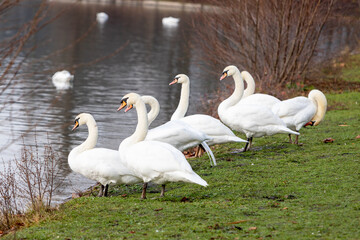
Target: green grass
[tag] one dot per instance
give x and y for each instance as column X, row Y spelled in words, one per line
column 275, row 191
column 351, row 71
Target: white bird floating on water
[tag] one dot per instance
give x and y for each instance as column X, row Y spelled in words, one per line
column 170, row 21
column 62, row 80
column 102, row 17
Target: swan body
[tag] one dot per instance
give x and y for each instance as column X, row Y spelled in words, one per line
column 101, row 17
column 99, row 164
column 251, row 119
column 170, row 21
column 153, row 161
column 211, row 126
column 249, row 97
column 62, row 80
column 177, row 133
column 301, row 111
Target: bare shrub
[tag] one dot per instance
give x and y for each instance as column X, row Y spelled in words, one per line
column 274, row 40
column 27, row 188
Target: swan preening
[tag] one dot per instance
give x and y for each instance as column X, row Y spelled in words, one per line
column 153, row 161
column 62, row 80
column 302, row 111
column 170, row 21
column 100, row 164
column 177, row 133
column 101, row 17
column 252, row 119
column 204, row 123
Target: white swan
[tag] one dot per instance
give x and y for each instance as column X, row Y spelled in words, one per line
column 204, row 123
column 177, row 133
column 302, row 111
column 251, row 119
column 170, row 21
column 100, row 164
column 249, row 97
column 153, row 161
column 101, row 17
column 62, row 80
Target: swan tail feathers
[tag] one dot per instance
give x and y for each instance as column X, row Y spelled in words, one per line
column 209, row 153
column 289, row 131
column 198, row 180
column 236, row 139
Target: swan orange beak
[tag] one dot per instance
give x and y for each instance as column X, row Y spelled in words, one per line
column 75, row 126
column 224, row 75
column 129, row 107
column 173, row 82
column 122, row 105
column 311, row 123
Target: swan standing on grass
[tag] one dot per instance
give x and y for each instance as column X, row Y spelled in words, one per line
column 101, row 17
column 249, row 97
column 251, row 119
column 153, row 161
column 170, row 21
column 302, row 111
column 204, row 123
column 100, row 164
column 177, row 133
column 62, row 80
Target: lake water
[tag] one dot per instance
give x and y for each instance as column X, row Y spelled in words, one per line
column 153, row 55
column 147, row 64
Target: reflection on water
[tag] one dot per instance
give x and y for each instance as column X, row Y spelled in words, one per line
column 154, row 55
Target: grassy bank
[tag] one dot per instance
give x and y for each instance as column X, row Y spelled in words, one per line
column 275, row 191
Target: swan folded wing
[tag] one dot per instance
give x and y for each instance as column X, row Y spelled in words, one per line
column 290, row 107
column 104, row 165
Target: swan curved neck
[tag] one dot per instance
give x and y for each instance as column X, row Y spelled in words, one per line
column 319, row 99
column 236, row 95
column 183, row 103
column 250, row 84
column 141, row 128
column 91, row 140
column 154, row 108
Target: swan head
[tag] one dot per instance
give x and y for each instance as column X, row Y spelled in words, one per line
column 180, row 78
column 129, row 100
column 81, row 119
column 229, row 71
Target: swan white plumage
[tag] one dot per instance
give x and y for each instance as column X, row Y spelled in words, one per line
column 170, row 21
column 101, row 17
column 177, row 133
column 249, row 97
column 100, row 164
column 211, row 126
column 153, row 161
column 302, row 111
column 62, row 80
column 251, row 119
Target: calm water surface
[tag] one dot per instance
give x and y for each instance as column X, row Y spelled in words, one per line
column 153, row 56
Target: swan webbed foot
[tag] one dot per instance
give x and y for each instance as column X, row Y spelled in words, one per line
column 143, row 194
column 162, row 194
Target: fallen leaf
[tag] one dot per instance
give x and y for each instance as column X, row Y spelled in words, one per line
column 343, row 125
column 328, row 140
column 185, row 199
column 285, row 208
column 124, row 195
column 240, row 221
column 357, row 137
column 252, row 228
column 159, row 209
column 132, row 232
column 75, row 195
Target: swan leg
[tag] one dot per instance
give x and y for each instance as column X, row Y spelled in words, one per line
column 162, row 194
column 143, row 194
column 290, row 141
column 248, row 144
column 101, row 191
column 106, row 190
column 296, row 140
